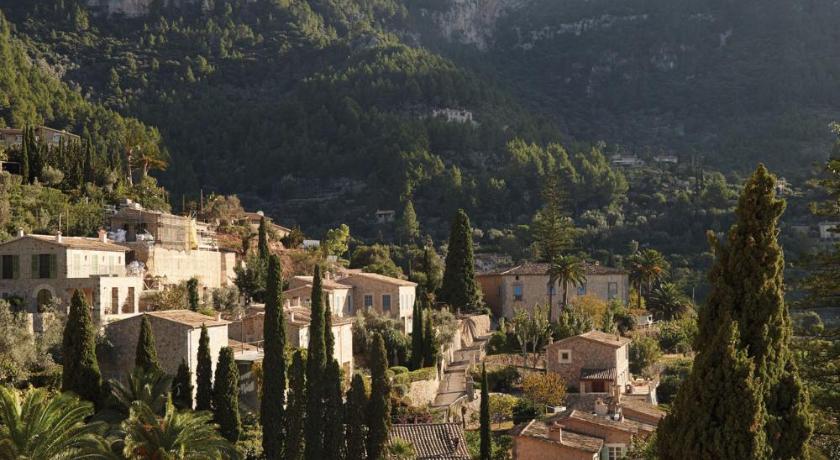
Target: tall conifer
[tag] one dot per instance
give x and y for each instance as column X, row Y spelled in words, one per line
column 226, row 396
column 81, row 369
column 204, row 373
column 296, row 408
column 145, row 356
column 430, row 347
column 262, row 242
column 182, row 387
column 333, row 413
column 485, row 447
column 25, row 156
column 192, row 293
column 379, row 406
column 460, row 289
column 355, row 417
column 417, row 338
column 329, row 339
column 316, row 361
column 272, row 411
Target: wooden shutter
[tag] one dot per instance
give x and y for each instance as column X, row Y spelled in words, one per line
column 15, row 267
column 53, row 266
column 34, row 267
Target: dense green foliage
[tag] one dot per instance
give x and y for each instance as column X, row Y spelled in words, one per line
column 334, row 441
column 182, row 387
column 204, row 373
column 379, row 406
column 296, row 408
column 146, row 355
column 316, row 363
column 192, row 293
column 460, row 289
column 226, row 396
column 417, row 336
column 81, row 369
column 355, row 418
column 272, row 403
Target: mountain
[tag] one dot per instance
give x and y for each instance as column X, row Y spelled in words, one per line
column 735, row 81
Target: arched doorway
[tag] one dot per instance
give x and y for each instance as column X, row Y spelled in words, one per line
column 43, row 298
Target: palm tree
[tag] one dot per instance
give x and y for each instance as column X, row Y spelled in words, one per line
column 400, row 449
column 646, row 268
column 667, row 302
column 568, row 270
column 49, row 428
column 152, row 388
column 185, row 435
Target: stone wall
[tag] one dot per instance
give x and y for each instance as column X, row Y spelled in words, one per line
column 402, row 298
column 423, row 392
column 584, row 354
column 213, row 269
column 529, row 448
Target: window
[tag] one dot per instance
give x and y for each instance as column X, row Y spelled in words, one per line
column 517, row 292
column 564, row 356
column 10, row 267
column 94, row 264
column 115, row 300
column 43, row 266
column 386, row 302
column 368, row 301
column 612, row 290
column 129, row 302
column 615, row 452
column 77, row 265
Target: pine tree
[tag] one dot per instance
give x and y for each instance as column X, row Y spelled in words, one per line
column 409, row 228
column 719, row 411
column 146, row 355
column 379, row 406
column 553, row 229
column 262, row 242
column 486, row 446
column 272, row 410
column 430, row 346
column 192, row 293
column 182, row 387
column 747, row 283
column 355, row 416
column 417, row 338
column 226, row 396
column 204, row 373
column 316, row 361
column 81, row 369
column 333, row 413
column 459, row 288
column 296, row 408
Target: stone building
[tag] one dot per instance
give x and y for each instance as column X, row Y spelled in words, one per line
column 176, row 333
column 526, row 285
column 38, row 269
column 387, row 296
column 339, row 295
column 13, row 137
column 593, row 362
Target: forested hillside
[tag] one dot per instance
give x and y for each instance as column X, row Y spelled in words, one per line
column 735, row 81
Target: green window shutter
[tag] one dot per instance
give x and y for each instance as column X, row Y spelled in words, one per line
column 34, row 267
column 53, row 266
column 15, row 267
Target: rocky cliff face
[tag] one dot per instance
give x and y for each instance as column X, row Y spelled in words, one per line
column 129, row 8
column 472, row 22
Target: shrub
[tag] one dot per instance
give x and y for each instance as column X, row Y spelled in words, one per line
column 644, row 351
column 677, row 336
column 671, row 378
column 397, row 370
column 547, row 389
column 524, row 410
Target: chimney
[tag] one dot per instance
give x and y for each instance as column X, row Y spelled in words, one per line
column 291, row 316
column 103, row 236
column 58, row 237
column 555, row 432
column 601, row 407
column 20, row 232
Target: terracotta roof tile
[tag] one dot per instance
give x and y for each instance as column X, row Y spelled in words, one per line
column 539, row 429
column 540, row 268
column 433, row 440
column 77, row 242
column 598, row 374
column 188, row 318
column 377, row 277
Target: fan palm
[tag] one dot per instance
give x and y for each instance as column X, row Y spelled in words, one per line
column 646, row 268
column 185, row 435
column 568, row 270
column 152, row 387
column 48, row 428
column 667, row 302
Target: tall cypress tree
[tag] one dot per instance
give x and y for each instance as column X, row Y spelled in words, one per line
column 747, row 281
column 296, row 408
column 316, row 361
column 430, row 347
column 262, row 242
column 204, row 373
column 272, row 411
column 355, row 416
column 333, row 413
column 182, row 387
column 486, row 446
column 417, row 352
column 379, row 406
column 81, row 369
column 192, row 293
column 24, row 156
column 226, row 396
column 145, row 356
column 460, row 289
column 329, row 339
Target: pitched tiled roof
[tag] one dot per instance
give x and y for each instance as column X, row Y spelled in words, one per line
column 612, row 340
column 378, row 277
column 327, row 284
column 539, row 429
column 598, row 374
column 188, row 318
column 303, row 316
column 540, row 268
column 627, row 425
column 76, row 242
column 433, row 440
column 642, row 407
